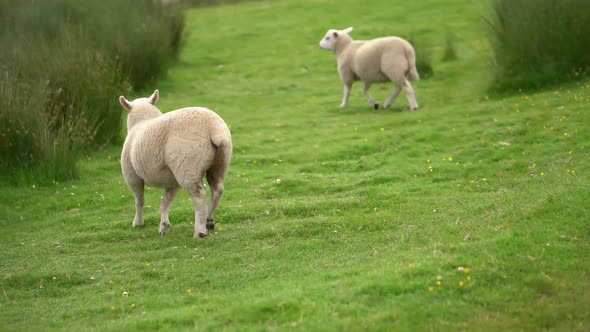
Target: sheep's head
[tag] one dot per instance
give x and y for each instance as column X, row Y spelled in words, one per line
column 140, row 109
column 331, row 37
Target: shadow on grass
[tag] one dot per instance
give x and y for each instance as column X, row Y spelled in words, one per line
column 357, row 109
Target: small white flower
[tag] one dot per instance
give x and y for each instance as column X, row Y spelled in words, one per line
column 125, row 294
column 91, row 278
column 460, row 269
column 439, row 278
column 278, row 181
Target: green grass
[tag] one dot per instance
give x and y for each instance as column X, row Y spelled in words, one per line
column 371, row 206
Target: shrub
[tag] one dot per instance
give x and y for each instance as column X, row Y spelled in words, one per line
column 64, row 62
column 450, row 51
column 423, row 57
column 539, row 42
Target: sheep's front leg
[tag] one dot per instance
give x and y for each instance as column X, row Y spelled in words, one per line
column 372, row 101
column 200, row 199
column 391, row 98
column 347, row 87
column 165, row 210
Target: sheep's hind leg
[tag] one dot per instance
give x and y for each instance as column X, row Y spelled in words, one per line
column 199, row 196
column 347, row 88
column 137, row 190
column 411, row 95
column 391, row 98
column 216, row 185
column 370, row 99
column 165, row 210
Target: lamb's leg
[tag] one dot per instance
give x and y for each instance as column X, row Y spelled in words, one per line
column 199, row 197
column 391, row 98
column 411, row 95
column 165, row 210
column 137, row 190
column 347, row 87
column 216, row 185
column 372, row 101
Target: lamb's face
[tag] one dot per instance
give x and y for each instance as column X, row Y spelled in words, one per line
column 329, row 40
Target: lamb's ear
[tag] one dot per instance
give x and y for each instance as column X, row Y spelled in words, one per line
column 335, row 34
column 347, row 30
column 154, row 97
column 125, row 103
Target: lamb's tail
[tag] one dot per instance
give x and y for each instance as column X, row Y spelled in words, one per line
column 411, row 57
column 223, row 143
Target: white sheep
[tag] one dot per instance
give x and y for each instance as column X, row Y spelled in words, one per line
column 173, row 150
column 373, row 61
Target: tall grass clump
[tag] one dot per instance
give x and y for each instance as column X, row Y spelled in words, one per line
column 450, row 50
column 64, row 62
column 423, row 57
column 539, row 42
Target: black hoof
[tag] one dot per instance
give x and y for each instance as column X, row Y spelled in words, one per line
column 376, row 106
column 210, row 225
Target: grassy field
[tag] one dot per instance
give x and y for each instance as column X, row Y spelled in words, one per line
column 470, row 214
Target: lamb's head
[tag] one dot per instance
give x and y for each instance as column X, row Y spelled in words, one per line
column 332, row 36
column 140, row 109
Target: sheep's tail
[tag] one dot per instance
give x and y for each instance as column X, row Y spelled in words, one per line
column 223, row 143
column 411, row 57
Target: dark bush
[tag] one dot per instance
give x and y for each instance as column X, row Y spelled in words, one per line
column 423, row 57
column 64, row 63
column 539, row 42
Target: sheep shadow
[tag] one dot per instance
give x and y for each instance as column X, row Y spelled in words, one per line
column 354, row 110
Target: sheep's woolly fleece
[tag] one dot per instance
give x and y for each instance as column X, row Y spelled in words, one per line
column 173, row 150
column 373, row 61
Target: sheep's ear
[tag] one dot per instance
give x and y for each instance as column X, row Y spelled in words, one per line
column 125, row 103
column 154, row 97
column 335, row 34
column 347, row 30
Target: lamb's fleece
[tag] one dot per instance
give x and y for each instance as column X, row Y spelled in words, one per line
column 173, row 150
column 373, row 61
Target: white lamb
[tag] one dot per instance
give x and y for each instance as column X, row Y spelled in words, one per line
column 373, row 61
column 173, row 150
